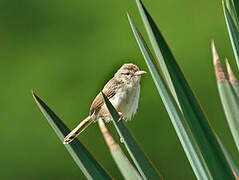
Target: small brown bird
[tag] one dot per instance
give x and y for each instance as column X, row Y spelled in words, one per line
column 123, row 92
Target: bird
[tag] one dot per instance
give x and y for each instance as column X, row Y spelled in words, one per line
column 123, row 91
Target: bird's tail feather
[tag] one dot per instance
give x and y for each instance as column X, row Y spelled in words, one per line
column 81, row 127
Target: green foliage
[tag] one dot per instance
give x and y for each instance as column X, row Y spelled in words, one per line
column 205, row 151
column 142, row 162
column 205, row 137
column 229, row 88
column 162, row 52
column 230, row 105
column 83, row 158
column 124, row 165
column 233, row 165
column 236, row 5
column 233, row 27
column 182, row 129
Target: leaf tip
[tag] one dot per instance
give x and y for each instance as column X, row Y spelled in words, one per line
column 220, row 74
column 231, row 75
column 214, row 52
column 128, row 15
column 34, row 95
column 32, row 91
column 104, row 96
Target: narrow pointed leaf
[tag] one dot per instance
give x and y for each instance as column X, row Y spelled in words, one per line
column 232, row 79
column 199, row 125
column 141, row 161
column 124, row 165
column 183, row 131
column 228, row 98
column 232, row 11
column 233, row 33
column 230, row 106
column 236, row 5
column 83, row 158
column 151, row 27
column 234, row 166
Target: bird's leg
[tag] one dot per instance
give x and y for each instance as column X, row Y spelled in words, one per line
column 121, row 116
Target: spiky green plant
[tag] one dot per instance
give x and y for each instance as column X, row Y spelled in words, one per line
column 205, row 151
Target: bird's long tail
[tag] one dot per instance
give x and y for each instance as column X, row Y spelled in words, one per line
column 81, row 127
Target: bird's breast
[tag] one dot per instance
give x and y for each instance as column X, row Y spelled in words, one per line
column 126, row 100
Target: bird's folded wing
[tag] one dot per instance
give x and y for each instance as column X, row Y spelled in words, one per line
column 99, row 101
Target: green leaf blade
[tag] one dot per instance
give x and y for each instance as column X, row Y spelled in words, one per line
column 228, row 94
column 230, row 105
column 236, row 90
column 154, row 39
column 234, row 166
column 124, row 165
column 233, row 33
column 232, row 10
column 142, row 162
column 83, row 158
column 236, row 5
column 199, row 125
column 232, row 79
column 183, row 131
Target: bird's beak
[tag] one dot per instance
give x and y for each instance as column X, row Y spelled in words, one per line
column 139, row 73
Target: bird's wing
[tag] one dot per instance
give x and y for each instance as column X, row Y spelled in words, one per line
column 109, row 90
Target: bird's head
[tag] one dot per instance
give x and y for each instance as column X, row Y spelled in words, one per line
column 129, row 72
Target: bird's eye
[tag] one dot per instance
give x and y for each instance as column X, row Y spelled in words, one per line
column 127, row 74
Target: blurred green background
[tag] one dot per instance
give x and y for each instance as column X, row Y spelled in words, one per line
column 67, row 50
